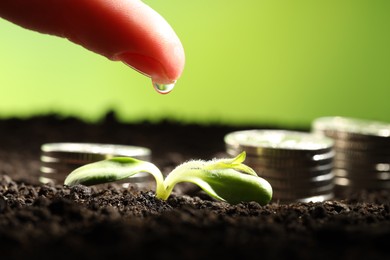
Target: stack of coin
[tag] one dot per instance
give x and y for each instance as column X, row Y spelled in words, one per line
column 298, row 165
column 362, row 152
column 59, row 159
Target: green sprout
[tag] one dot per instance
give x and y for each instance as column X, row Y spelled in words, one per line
column 224, row 179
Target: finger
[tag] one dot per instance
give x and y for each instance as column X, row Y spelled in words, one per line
column 124, row 30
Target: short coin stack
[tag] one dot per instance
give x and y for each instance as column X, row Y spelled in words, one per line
column 362, row 152
column 59, row 159
column 298, row 165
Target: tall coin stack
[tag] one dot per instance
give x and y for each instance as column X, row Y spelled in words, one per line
column 362, row 147
column 298, row 165
column 60, row 159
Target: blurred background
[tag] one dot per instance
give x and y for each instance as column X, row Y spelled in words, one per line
column 247, row 62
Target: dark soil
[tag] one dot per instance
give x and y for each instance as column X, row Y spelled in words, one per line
column 40, row 221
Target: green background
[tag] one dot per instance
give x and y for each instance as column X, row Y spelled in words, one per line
column 258, row 62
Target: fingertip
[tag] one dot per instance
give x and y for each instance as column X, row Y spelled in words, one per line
column 125, row 30
column 162, row 69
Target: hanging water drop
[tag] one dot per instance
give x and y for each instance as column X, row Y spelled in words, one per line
column 163, row 88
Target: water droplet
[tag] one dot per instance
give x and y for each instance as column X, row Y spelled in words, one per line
column 163, row 88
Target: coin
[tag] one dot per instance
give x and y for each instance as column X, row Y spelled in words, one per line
column 289, row 163
column 91, row 151
column 358, row 156
column 362, row 151
column 361, row 175
column 298, row 165
column 353, row 125
column 302, row 183
column 353, row 165
column 364, row 146
column 352, row 128
column 59, row 159
column 360, row 184
column 299, row 194
column 291, row 173
column 278, row 142
column 318, row 198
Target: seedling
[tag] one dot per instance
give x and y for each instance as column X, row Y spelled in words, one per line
column 225, row 179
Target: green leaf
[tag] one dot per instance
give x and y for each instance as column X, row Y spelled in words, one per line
column 235, row 187
column 235, row 163
column 228, row 185
column 223, row 179
column 110, row 170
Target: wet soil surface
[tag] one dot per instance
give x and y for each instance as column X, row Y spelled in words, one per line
column 50, row 221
